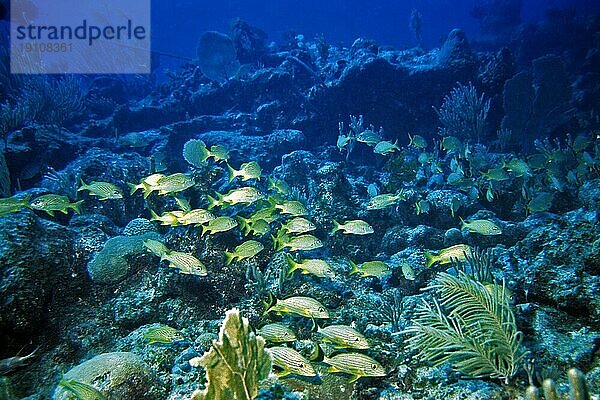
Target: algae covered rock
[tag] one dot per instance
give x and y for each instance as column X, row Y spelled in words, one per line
column 35, row 257
column 118, row 258
column 121, row 375
column 234, row 364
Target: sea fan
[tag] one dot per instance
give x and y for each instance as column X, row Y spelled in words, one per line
column 472, row 327
column 194, row 152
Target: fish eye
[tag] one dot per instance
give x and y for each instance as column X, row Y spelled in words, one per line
column 373, row 366
column 321, row 309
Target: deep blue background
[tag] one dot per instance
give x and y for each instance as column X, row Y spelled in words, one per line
column 178, row 24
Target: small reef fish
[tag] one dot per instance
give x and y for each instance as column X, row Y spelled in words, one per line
column 13, row 204
column 537, row 161
column 258, row 227
column 135, row 140
column 518, row 167
column 216, row 152
column 291, row 207
column 279, row 185
column 369, row 137
column 146, row 182
column 197, row 216
column 481, row 226
column 54, row 202
column 249, row 170
column 289, row 361
column 173, row 183
column 343, row 337
column 417, row 141
column 244, row 195
column 219, row 224
column 163, row 334
column 386, row 147
column 495, row 174
column 104, row 190
column 373, row 190
column 407, row 271
column 318, row 268
column 369, row 268
column 156, row 247
column 277, row 333
column 295, row 243
column 268, row 214
column 450, row 144
column 382, row 201
column 343, row 141
column 298, row 225
column 167, row 218
column 489, row 194
column 354, row 227
column 185, row 263
column 298, row 305
column 455, row 178
column 540, row 203
column 422, row 207
column 81, row 391
column 355, row 364
column 247, row 249
column 458, row 252
column 455, row 204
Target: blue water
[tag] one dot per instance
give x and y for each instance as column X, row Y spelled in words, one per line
column 177, row 25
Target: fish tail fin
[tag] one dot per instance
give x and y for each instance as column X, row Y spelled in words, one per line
column 214, row 202
column 292, row 265
column 77, row 206
column 276, row 243
column 463, row 224
column 336, row 226
column 317, row 355
column 154, row 216
column 429, row 259
column 132, row 188
column 228, row 257
column 204, row 230
column 147, row 190
column 230, row 171
column 83, row 185
column 272, row 200
column 204, row 153
column 244, row 226
column 354, row 268
column 269, row 303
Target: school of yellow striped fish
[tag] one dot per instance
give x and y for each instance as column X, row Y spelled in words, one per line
column 268, row 217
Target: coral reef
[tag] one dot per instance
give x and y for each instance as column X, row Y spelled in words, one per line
column 119, row 375
column 119, row 257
